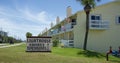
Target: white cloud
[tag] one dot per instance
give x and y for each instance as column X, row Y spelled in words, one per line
column 20, row 29
column 6, row 24
column 41, row 17
column 12, row 22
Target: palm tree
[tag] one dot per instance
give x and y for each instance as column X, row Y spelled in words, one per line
column 88, row 4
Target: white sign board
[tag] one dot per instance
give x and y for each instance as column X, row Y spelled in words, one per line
column 39, row 44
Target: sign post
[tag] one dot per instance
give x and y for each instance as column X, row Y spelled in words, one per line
column 39, row 44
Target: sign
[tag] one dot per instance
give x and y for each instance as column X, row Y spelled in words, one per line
column 39, row 44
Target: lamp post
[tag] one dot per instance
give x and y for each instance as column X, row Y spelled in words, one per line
column 87, row 10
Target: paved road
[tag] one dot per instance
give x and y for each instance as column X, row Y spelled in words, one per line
column 11, row 45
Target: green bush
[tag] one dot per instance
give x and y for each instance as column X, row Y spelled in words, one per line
column 55, row 43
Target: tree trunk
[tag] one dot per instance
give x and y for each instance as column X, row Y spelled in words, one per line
column 87, row 31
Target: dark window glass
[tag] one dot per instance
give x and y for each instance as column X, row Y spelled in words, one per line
column 92, row 17
column 118, row 19
column 97, row 17
column 70, row 41
column 73, row 21
column 71, row 45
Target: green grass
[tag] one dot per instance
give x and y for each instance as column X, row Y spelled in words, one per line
column 17, row 54
column 77, row 53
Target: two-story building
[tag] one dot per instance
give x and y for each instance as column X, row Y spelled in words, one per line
column 104, row 28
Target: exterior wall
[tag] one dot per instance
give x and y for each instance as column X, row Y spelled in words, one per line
column 79, row 30
column 109, row 37
column 99, row 40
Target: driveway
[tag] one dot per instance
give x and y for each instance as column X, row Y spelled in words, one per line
column 4, row 46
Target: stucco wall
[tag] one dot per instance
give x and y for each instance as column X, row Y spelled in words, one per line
column 79, row 30
column 99, row 40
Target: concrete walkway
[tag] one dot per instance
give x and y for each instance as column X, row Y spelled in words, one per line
column 5, row 46
column 2, row 44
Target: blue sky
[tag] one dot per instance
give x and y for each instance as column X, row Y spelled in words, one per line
column 20, row 16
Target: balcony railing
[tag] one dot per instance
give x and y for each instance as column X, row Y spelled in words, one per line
column 66, row 27
column 67, row 43
column 55, row 31
column 98, row 24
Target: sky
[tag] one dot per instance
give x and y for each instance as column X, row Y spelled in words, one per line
column 20, row 16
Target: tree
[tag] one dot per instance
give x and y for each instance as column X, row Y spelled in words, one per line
column 88, row 4
column 11, row 40
column 1, row 39
column 5, row 39
column 28, row 34
column 39, row 34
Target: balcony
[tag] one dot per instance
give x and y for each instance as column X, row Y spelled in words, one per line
column 67, row 27
column 55, row 31
column 98, row 25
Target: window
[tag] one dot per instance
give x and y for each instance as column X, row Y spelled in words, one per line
column 95, row 17
column 73, row 21
column 118, row 20
column 71, row 44
column 92, row 17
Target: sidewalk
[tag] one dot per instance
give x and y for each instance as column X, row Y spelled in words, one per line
column 11, row 45
column 2, row 44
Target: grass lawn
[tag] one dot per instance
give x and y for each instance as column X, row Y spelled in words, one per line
column 17, row 54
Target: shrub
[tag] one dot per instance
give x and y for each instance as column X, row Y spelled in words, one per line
column 55, row 43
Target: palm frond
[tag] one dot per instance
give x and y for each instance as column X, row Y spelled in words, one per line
column 92, row 3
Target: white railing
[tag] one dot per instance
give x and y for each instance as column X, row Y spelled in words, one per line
column 67, row 43
column 66, row 27
column 55, row 31
column 98, row 24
